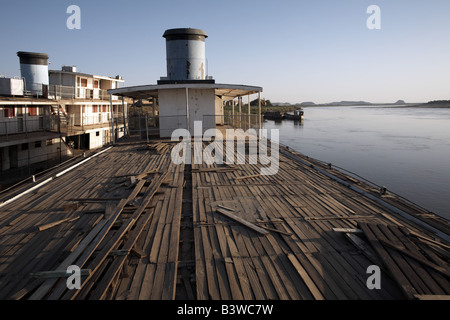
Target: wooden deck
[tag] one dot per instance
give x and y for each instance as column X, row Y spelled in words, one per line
column 145, row 228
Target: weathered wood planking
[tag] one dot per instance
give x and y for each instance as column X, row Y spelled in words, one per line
column 297, row 255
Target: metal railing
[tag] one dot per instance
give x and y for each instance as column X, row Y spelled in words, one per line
column 76, row 122
column 25, row 125
column 58, row 92
column 237, row 121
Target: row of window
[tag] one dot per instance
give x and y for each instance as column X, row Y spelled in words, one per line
column 11, row 112
column 104, row 108
column 82, row 82
column 37, row 144
column 99, row 108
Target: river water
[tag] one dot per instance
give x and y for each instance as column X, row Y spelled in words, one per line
column 405, row 149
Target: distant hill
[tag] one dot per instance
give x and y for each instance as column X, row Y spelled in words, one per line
column 348, row 103
column 435, row 104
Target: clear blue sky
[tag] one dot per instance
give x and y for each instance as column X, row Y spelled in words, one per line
column 297, row 51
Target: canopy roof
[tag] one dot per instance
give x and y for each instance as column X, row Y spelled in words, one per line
column 224, row 90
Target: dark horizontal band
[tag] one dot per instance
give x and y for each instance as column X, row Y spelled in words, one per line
column 211, row 81
column 33, row 58
column 185, row 34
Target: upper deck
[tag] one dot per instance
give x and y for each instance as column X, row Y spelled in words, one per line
column 147, row 228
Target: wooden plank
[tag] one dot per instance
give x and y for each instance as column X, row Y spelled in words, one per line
column 417, row 257
column 247, row 177
column 275, row 230
column 97, row 233
column 362, row 246
column 242, row 221
column 432, row 297
column 306, row 278
column 88, row 250
column 347, row 230
column 52, row 224
column 57, row 274
column 101, row 289
column 398, row 275
column 417, row 275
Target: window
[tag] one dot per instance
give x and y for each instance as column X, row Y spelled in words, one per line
column 24, row 146
column 83, row 82
column 95, row 108
column 37, row 144
column 97, row 134
column 49, row 142
column 8, row 112
column 96, row 84
column 32, row 111
column 105, row 108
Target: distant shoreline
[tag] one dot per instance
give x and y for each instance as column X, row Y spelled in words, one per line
column 385, row 105
column 289, row 108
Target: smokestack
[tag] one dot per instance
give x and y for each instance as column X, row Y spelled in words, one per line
column 34, row 68
column 185, row 54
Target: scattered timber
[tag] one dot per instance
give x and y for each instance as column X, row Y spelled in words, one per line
column 142, row 227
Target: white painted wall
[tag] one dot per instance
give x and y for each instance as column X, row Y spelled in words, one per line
column 103, row 137
column 172, row 109
column 36, row 154
column 219, row 110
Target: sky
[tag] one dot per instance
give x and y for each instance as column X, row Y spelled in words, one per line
column 320, row 51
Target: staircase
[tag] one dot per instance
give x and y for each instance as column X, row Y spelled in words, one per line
column 64, row 118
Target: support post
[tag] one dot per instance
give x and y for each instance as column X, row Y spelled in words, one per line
column 113, row 138
column 249, row 118
column 240, row 111
column 146, row 126
column 188, row 126
column 59, row 121
column 232, row 113
column 259, row 111
column 154, row 111
column 123, row 116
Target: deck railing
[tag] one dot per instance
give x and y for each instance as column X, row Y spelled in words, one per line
column 25, row 125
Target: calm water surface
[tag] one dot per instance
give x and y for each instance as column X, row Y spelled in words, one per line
column 407, row 150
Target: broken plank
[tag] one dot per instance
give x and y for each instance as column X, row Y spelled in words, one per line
column 396, row 272
column 248, row 177
column 362, row 246
column 52, row 224
column 242, row 221
column 306, row 278
column 347, row 230
column 417, row 257
column 57, row 274
column 276, row 230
